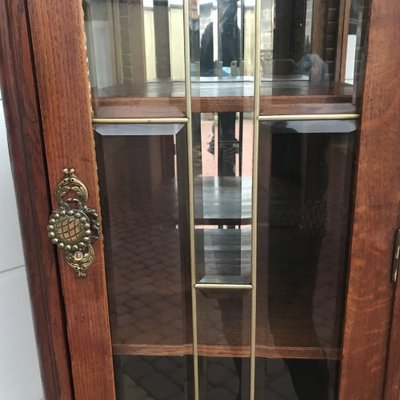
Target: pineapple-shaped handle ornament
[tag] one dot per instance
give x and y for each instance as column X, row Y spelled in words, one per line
column 74, row 225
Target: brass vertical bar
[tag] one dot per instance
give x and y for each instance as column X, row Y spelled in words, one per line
column 188, row 103
column 257, row 83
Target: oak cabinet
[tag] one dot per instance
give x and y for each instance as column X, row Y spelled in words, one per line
column 239, row 160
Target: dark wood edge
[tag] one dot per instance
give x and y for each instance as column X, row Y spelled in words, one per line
column 32, row 190
column 59, row 47
column 377, row 198
column 392, row 379
column 342, row 39
column 293, row 352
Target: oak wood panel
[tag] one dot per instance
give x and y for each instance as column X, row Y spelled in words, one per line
column 29, row 171
column 293, row 352
column 377, row 201
column 60, row 61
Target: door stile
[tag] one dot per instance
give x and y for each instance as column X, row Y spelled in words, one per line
column 29, row 171
column 377, row 198
column 63, row 90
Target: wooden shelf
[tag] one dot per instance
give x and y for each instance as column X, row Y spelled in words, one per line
column 149, row 284
column 149, row 315
column 222, row 200
column 223, row 256
column 262, row 351
column 166, row 99
column 217, row 200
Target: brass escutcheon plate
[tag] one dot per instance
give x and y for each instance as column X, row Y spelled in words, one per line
column 73, row 226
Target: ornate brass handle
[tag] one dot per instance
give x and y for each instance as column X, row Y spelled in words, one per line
column 73, row 225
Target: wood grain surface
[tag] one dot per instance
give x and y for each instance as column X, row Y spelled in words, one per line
column 63, row 92
column 166, row 99
column 377, row 202
column 29, row 171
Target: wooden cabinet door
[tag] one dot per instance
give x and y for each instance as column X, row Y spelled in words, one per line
column 204, row 278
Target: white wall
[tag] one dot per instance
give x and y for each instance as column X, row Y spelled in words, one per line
column 19, row 368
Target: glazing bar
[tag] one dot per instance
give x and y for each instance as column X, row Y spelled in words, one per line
column 254, row 196
column 188, row 103
column 161, row 120
column 223, row 286
column 308, row 117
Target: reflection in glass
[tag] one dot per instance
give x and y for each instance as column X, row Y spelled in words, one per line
column 143, row 181
column 224, row 344
column 303, row 221
column 356, row 34
column 290, row 379
column 222, row 186
column 136, row 62
column 299, row 39
column 135, row 51
column 153, row 378
column 218, row 45
column 222, row 133
column 308, row 53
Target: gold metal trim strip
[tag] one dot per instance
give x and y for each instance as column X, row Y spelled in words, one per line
column 223, row 286
column 254, row 198
column 160, row 120
column 188, row 103
column 308, row 117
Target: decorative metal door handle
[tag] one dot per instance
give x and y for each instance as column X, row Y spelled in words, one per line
column 73, row 225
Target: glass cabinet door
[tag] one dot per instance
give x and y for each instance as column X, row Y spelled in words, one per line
column 226, row 133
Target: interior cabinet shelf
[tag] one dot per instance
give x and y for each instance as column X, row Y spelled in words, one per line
column 155, row 284
column 264, row 351
column 161, row 292
column 224, row 255
column 166, row 99
column 222, row 200
column 297, row 343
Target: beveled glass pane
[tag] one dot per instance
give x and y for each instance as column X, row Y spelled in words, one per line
column 222, row 154
column 290, row 379
column 224, row 343
column 222, row 56
column 309, row 49
column 154, row 378
column 304, row 194
column 224, row 378
column 143, row 186
column 222, row 38
column 136, row 57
